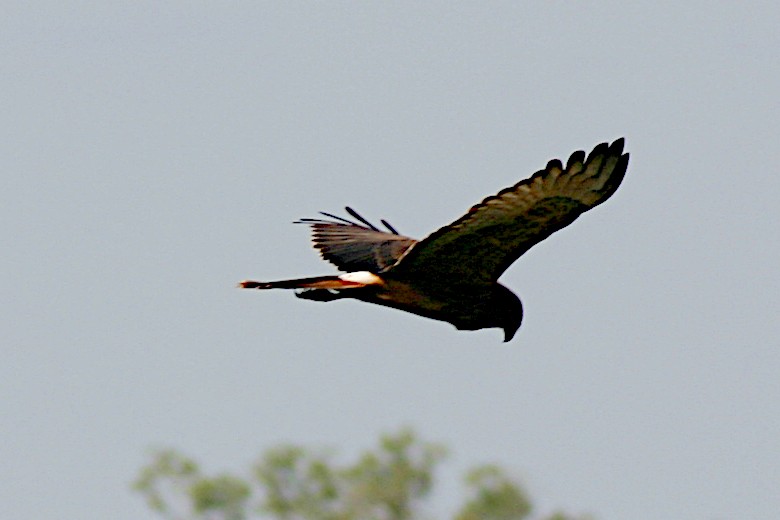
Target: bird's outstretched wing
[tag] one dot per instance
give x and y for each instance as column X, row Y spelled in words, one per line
column 483, row 243
column 355, row 247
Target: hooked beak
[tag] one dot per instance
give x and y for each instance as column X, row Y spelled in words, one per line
column 509, row 334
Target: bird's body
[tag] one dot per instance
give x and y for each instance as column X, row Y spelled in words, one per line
column 452, row 275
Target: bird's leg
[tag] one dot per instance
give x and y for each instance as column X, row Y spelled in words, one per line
column 319, row 295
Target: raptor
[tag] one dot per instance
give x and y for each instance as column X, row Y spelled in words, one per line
column 452, row 275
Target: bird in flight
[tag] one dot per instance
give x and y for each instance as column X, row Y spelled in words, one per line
column 452, row 275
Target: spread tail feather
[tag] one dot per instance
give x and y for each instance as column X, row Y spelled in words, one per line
column 316, row 282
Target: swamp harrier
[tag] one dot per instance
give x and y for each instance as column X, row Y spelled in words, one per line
column 452, row 275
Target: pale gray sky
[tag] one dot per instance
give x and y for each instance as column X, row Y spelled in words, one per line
column 153, row 155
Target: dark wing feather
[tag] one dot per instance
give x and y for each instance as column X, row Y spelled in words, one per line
column 482, row 244
column 355, row 247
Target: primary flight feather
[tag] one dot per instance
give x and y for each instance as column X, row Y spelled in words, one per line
column 452, row 275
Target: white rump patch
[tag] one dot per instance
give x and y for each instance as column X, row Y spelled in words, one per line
column 362, row 277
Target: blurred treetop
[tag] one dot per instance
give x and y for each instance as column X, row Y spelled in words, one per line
column 391, row 482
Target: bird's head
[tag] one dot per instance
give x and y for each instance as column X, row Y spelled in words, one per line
column 509, row 311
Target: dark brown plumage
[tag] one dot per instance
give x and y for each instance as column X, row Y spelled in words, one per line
column 452, row 275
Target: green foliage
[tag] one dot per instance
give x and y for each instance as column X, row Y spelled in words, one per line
column 298, row 484
column 390, row 482
column 225, row 493
column 195, row 496
column 563, row 516
column 494, row 497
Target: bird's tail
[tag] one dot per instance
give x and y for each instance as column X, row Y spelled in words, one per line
column 316, row 282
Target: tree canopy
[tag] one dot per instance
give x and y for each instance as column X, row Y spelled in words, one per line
column 391, row 482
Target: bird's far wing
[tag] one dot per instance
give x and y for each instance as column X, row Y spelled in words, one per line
column 483, row 243
column 355, row 247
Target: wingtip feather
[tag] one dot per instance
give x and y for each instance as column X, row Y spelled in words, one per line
column 576, row 157
column 554, row 164
column 617, row 146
